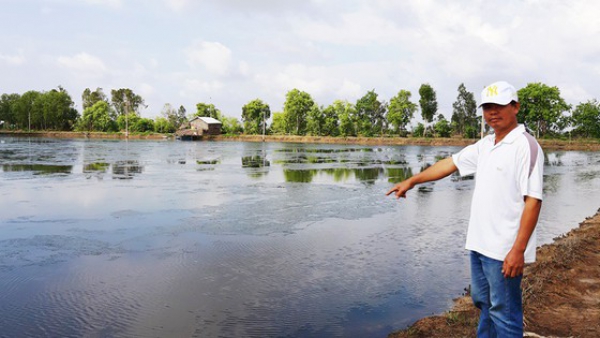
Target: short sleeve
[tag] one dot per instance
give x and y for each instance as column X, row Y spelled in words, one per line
column 535, row 183
column 466, row 159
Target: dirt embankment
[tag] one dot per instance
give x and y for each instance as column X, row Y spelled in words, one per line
column 561, row 293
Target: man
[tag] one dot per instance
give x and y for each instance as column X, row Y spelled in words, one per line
column 507, row 199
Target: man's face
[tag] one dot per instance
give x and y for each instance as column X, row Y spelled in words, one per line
column 501, row 117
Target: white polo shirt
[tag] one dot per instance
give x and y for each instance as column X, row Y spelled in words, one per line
column 504, row 174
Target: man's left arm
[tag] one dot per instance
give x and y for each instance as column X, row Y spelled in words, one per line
column 515, row 260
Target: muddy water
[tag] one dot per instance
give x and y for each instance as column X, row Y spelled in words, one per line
column 206, row 239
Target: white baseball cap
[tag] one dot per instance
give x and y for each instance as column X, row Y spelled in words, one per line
column 500, row 92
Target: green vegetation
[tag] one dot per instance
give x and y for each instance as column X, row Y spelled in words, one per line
column 543, row 111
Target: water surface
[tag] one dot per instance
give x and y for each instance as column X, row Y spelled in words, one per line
column 217, row 239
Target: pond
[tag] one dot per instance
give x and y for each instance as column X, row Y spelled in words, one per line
column 225, row 239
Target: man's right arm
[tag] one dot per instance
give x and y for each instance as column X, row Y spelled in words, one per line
column 437, row 171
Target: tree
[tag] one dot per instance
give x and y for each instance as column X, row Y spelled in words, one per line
column 164, row 126
column 346, row 113
column 89, row 98
column 331, row 117
column 208, row 110
column 442, row 127
column 401, row 111
column 58, row 109
column 231, row 125
column 125, row 101
column 541, row 108
column 464, row 113
column 296, row 108
column 278, row 125
column 419, row 130
column 143, row 125
column 97, row 118
column 7, row 109
column 315, row 121
column 370, row 114
column 28, row 110
column 175, row 118
column 586, row 119
column 428, row 102
column 254, row 115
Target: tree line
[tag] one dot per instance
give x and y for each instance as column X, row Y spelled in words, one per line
column 543, row 111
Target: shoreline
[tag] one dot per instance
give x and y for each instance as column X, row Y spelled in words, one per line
column 550, row 144
column 561, row 293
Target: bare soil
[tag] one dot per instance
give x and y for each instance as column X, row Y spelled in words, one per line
column 561, row 293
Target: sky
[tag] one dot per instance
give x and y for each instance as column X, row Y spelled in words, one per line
column 230, row 52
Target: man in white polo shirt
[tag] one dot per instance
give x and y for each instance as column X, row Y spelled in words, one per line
column 508, row 167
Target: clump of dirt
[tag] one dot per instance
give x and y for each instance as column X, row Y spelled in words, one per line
column 561, row 293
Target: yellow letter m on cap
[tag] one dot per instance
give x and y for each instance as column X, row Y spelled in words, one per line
column 492, row 90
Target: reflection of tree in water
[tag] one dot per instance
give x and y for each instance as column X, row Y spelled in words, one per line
column 38, row 169
column 126, row 169
column 97, row 169
column 396, row 175
column 258, row 165
column 367, row 175
column 299, row 176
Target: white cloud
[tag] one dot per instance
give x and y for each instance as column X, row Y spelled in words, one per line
column 109, row 3
column 192, row 87
column 84, row 64
column 13, row 60
column 349, row 89
column 177, row 5
column 212, row 56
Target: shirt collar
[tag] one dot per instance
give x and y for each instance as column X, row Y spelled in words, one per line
column 512, row 136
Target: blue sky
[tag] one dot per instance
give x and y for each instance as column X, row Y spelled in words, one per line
column 229, row 52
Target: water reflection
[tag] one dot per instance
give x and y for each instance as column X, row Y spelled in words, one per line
column 38, row 169
column 213, row 239
column 126, row 170
column 256, row 165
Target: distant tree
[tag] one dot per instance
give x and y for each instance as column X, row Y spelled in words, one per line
column 164, row 126
column 7, row 110
column 125, row 101
column 442, row 127
column 127, row 122
column 586, row 119
column 428, row 102
column 278, row 126
column 89, row 98
column 207, row 110
column 542, row 108
column 28, row 110
column 370, row 114
column 401, row 111
column 231, row 125
column 97, row 118
column 346, row 113
column 464, row 113
column 175, row 118
column 331, row 117
column 143, row 125
column 315, row 121
column 59, row 111
column 295, row 109
column 255, row 115
column 419, row 130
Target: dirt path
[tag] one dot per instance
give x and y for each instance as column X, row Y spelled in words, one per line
column 561, row 293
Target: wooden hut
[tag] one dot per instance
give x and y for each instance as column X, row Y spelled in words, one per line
column 206, row 126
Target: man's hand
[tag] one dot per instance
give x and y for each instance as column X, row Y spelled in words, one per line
column 513, row 263
column 401, row 188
